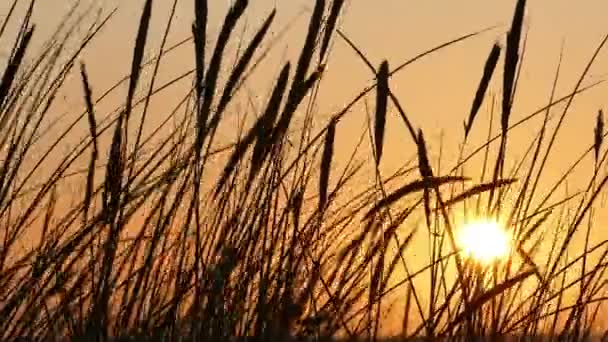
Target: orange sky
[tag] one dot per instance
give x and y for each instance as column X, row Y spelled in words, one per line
column 436, row 92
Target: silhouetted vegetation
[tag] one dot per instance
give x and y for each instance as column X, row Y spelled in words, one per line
column 280, row 242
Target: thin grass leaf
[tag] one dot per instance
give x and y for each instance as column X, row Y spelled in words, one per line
column 486, row 296
column 396, row 258
column 300, row 85
column 13, row 66
column 199, row 32
column 488, row 70
column 394, row 98
column 243, row 62
column 8, row 17
column 283, row 123
column 406, row 312
column 212, row 75
column 138, row 55
column 479, row 189
column 332, row 20
column 23, row 28
column 426, row 172
column 423, row 160
column 314, row 28
column 113, row 183
column 259, row 132
column 413, row 187
column 528, row 260
column 599, row 134
column 90, row 107
column 511, row 60
column 151, row 87
column 93, row 132
column 381, row 106
column 328, row 152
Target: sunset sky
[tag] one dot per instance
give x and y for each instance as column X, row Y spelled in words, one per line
column 436, row 92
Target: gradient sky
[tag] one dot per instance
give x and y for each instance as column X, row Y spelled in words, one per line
column 436, row 92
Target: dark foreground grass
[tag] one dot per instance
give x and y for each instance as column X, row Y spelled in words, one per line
column 279, row 243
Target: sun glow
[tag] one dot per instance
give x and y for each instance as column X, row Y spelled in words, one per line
column 484, row 241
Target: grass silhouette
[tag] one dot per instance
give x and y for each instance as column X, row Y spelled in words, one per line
column 277, row 244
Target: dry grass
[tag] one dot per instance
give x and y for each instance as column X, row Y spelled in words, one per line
column 281, row 242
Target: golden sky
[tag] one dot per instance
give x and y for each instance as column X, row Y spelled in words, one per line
column 436, row 92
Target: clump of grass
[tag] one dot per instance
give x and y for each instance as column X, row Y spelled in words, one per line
column 275, row 247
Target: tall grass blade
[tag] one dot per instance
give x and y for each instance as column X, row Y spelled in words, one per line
column 599, row 134
column 411, row 188
column 301, row 84
column 93, row 132
column 530, row 231
column 314, row 28
column 511, row 60
column 528, row 260
column 488, row 70
column 90, row 106
column 394, row 98
column 332, row 20
column 212, row 74
column 328, row 152
column 381, row 107
column 423, row 160
column 479, row 189
column 261, row 153
column 151, row 87
column 259, row 132
column 138, row 55
column 243, row 62
column 199, row 32
column 8, row 17
column 486, row 296
column 13, row 66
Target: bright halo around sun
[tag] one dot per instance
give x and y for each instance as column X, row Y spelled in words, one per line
column 484, row 241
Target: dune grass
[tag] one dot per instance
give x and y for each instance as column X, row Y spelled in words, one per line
column 280, row 242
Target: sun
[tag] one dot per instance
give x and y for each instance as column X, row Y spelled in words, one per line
column 484, row 241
